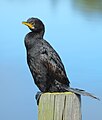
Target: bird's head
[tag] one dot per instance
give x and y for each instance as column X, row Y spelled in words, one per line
column 35, row 25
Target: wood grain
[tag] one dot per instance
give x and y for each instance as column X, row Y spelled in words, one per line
column 59, row 106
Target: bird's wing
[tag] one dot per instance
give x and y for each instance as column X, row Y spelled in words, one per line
column 53, row 63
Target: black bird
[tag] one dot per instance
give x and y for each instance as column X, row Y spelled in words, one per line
column 44, row 62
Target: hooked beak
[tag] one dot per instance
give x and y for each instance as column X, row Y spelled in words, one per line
column 28, row 24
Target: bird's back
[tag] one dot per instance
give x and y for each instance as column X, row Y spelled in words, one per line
column 45, row 64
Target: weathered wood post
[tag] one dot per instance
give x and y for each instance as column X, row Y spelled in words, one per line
column 59, row 106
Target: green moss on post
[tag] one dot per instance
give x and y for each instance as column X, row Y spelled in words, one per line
column 59, row 106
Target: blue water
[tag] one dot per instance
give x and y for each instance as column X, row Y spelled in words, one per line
column 74, row 29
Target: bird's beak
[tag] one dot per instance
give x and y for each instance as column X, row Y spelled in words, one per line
column 28, row 24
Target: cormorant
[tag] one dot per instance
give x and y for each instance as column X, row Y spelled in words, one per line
column 44, row 62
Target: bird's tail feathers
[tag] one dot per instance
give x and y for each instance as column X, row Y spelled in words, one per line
column 80, row 92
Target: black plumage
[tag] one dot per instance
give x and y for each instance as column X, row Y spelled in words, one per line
column 44, row 62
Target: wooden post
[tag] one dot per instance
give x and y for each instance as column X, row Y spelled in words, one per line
column 59, row 106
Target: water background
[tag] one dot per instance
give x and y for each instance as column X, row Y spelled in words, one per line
column 74, row 29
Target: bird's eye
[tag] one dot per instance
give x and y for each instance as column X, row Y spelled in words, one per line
column 32, row 23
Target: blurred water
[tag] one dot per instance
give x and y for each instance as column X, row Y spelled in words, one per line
column 92, row 9
column 73, row 28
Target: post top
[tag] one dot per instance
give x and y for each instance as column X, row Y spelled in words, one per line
column 58, row 93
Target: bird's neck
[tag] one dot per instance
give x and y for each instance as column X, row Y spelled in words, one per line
column 37, row 35
column 31, row 39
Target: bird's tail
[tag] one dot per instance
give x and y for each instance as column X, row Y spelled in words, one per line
column 80, row 92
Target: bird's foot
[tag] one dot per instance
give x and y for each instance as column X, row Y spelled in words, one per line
column 37, row 97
